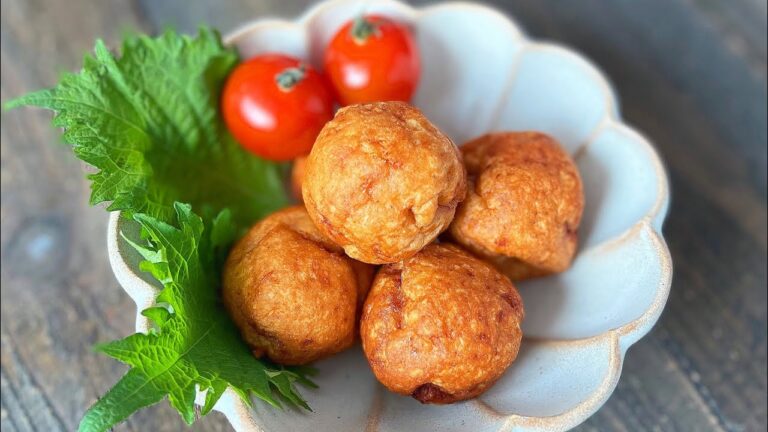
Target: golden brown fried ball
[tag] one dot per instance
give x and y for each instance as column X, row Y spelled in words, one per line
column 293, row 293
column 524, row 204
column 297, row 177
column 441, row 326
column 382, row 181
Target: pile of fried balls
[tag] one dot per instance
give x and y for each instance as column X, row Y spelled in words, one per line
column 410, row 243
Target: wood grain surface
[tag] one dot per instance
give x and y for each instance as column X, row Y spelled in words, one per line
column 691, row 74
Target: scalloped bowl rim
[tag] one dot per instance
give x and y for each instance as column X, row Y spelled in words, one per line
column 620, row 338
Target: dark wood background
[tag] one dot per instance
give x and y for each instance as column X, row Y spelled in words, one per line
column 691, row 74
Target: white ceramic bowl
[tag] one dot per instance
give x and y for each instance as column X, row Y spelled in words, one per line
column 480, row 73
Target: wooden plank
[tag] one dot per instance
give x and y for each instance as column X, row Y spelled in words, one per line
column 690, row 74
column 187, row 16
column 741, row 25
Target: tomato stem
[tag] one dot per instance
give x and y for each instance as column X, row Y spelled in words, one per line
column 288, row 78
column 362, row 29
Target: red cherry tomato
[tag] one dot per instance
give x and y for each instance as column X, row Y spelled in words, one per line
column 372, row 58
column 275, row 106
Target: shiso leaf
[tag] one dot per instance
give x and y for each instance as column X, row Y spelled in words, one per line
column 129, row 395
column 148, row 121
column 196, row 346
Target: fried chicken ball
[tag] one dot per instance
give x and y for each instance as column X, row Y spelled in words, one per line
column 293, row 293
column 524, row 204
column 382, row 181
column 441, row 326
column 297, row 177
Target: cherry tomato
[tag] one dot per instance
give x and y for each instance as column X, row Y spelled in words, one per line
column 372, row 58
column 275, row 106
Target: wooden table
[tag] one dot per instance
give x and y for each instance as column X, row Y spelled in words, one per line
column 691, row 74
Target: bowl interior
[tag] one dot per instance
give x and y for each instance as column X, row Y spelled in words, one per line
column 480, row 74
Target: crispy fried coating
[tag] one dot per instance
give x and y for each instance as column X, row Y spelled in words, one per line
column 297, row 177
column 293, row 293
column 524, row 204
column 382, row 181
column 441, row 326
